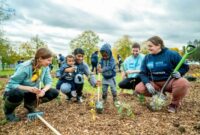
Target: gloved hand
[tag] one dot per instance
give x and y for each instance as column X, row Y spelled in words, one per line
column 150, row 88
column 176, row 75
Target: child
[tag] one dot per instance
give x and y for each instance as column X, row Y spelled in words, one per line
column 66, row 75
column 107, row 68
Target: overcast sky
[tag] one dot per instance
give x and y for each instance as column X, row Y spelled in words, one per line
column 59, row 21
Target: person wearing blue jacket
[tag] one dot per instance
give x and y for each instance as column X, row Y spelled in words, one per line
column 83, row 69
column 61, row 60
column 157, row 67
column 66, row 79
column 94, row 61
column 25, row 85
column 107, row 68
column 131, row 68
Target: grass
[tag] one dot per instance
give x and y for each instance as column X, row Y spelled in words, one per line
column 87, row 87
column 6, row 72
column 90, row 89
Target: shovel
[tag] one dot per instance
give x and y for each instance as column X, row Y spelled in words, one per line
column 159, row 99
column 99, row 104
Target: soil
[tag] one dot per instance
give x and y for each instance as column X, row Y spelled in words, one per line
column 71, row 118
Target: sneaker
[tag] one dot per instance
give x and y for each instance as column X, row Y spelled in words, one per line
column 79, row 99
column 172, row 108
column 73, row 93
column 68, row 98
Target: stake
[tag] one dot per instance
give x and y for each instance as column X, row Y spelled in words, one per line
column 98, row 88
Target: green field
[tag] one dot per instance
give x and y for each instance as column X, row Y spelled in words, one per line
column 87, row 86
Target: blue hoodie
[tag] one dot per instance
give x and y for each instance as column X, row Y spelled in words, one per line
column 160, row 66
column 108, row 66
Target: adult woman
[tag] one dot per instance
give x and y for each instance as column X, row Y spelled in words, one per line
column 25, row 84
column 157, row 67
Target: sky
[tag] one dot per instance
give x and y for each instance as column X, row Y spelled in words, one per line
column 57, row 22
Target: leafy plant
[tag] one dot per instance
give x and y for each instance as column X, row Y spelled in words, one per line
column 141, row 98
column 157, row 102
column 124, row 110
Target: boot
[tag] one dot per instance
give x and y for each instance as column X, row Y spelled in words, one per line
column 116, row 101
column 104, row 97
column 9, row 111
column 30, row 106
column 44, row 100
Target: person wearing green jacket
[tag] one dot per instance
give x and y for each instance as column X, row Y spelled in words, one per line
column 30, row 82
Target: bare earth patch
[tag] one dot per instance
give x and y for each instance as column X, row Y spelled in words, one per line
column 76, row 119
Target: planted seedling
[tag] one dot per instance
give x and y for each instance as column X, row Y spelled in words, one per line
column 141, row 98
column 157, row 102
column 124, row 110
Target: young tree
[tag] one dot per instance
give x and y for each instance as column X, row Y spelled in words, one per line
column 37, row 42
column 123, row 46
column 195, row 56
column 88, row 41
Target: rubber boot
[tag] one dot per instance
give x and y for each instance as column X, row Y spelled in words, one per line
column 30, row 106
column 115, row 101
column 44, row 100
column 9, row 111
column 104, row 97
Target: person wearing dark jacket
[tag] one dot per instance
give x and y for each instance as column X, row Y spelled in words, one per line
column 157, row 67
column 94, row 61
column 61, row 60
column 82, row 69
column 107, row 68
column 119, row 58
column 66, row 79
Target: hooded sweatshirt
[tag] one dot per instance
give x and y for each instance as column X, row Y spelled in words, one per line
column 108, row 66
column 158, row 67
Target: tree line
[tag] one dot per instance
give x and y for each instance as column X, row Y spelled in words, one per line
column 88, row 41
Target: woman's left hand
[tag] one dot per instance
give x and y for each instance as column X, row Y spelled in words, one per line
column 41, row 94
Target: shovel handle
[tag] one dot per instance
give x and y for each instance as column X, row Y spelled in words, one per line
column 189, row 50
column 98, row 87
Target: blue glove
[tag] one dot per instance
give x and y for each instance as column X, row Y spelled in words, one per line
column 176, row 75
column 150, row 88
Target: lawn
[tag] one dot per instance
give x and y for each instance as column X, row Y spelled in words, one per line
column 6, row 72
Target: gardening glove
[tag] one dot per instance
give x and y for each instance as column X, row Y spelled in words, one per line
column 176, row 75
column 150, row 88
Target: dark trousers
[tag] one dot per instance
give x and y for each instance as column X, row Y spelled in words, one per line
column 94, row 67
column 79, row 89
column 119, row 66
column 129, row 83
column 17, row 96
